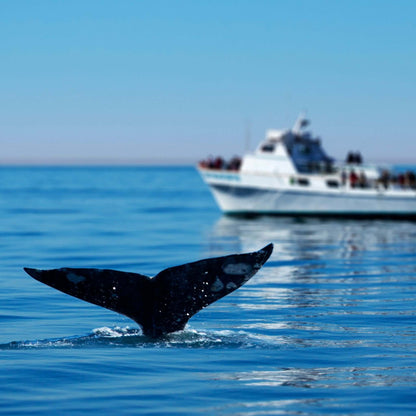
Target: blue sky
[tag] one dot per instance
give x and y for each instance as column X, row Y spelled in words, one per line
column 128, row 81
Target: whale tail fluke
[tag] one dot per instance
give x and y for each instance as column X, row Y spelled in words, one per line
column 166, row 302
column 122, row 292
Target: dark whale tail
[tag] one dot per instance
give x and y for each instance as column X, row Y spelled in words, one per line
column 166, row 302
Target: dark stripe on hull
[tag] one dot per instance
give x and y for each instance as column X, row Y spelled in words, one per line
column 329, row 215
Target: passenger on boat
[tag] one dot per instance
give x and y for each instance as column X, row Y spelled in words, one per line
column 209, row 162
column 401, row 180
column 234, row 163
column 354, row 158
column 385, row 178
column 353, row 179
column 362, row 181
column 412, row 179
column 219, row 162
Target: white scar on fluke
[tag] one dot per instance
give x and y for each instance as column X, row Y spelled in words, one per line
column 238, row 268
column 166, row 302
column 217, row 285
column 74, row 278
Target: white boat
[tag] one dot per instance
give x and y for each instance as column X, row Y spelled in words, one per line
column 290, row 174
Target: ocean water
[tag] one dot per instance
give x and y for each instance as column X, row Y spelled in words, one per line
column 328, row 326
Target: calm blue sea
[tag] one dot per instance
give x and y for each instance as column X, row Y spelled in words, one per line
column 328, row 326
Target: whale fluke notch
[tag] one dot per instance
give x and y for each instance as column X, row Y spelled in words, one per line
column 166, row 302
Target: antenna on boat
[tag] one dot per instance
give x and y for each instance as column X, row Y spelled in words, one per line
column 300, row 123
column 247, row 135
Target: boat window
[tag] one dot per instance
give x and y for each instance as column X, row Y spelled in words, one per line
column 331, row 183
column 303, row 181
column 305, row 149
column 309, row 157
column 268, row 147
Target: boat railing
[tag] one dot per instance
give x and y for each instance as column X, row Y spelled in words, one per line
column 348, row 176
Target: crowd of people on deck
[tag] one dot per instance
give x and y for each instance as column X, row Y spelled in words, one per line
column 354, row 158
column 220, row 163
column 402, row 180
column 386, row 180
column 355, row 178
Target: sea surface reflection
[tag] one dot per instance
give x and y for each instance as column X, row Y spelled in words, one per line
column 339, row 295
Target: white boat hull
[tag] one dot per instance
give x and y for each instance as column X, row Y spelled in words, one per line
column 238, row 194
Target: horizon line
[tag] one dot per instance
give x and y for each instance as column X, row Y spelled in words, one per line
column 91, row 162
column 97, row 162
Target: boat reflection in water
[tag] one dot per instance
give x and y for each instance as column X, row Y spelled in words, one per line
column 328, row 304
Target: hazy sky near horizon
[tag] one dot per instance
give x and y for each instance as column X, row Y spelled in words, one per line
column 166, row 80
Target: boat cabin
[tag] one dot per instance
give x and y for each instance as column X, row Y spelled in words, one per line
column 304, row 151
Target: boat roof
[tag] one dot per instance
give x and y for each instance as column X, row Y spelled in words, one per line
column 290, row 137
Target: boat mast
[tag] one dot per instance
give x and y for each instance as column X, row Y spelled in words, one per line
column 300, row 123
column 247, row 136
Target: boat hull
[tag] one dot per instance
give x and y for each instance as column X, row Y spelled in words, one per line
column 238, row 196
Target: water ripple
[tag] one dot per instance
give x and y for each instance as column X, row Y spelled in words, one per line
column 131, row 337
